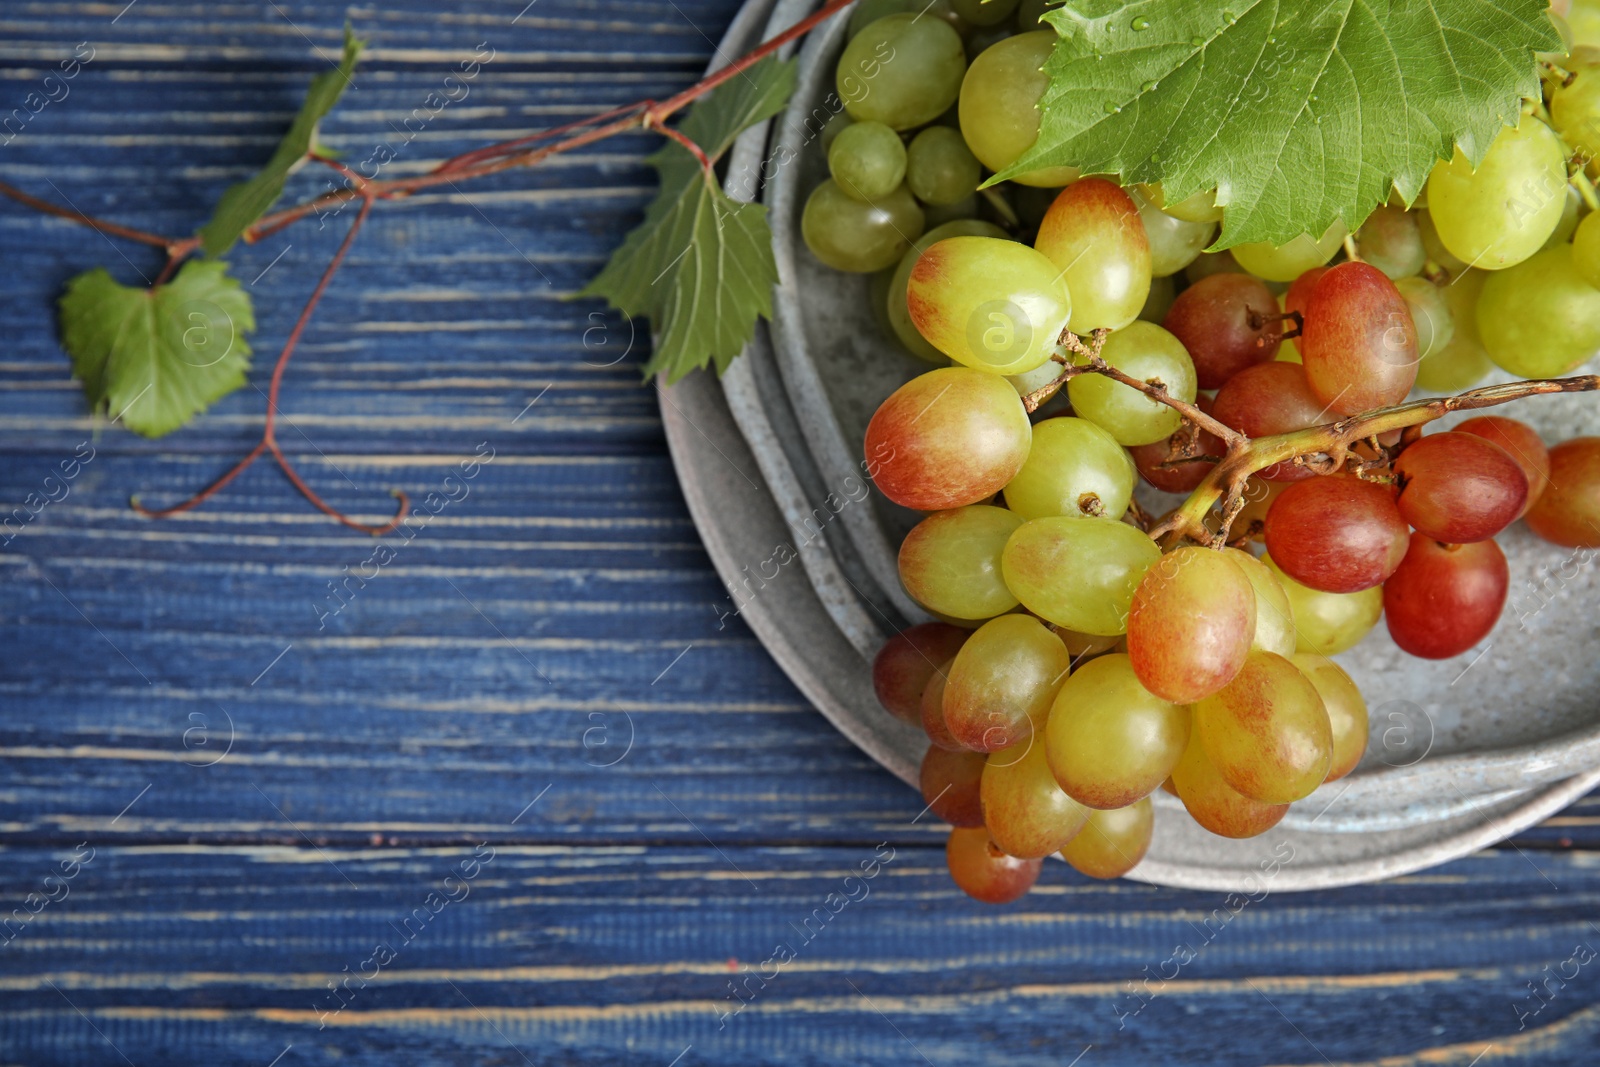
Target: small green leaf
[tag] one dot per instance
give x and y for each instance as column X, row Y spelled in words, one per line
column 154, row 358
column 1298, row 113
column 700, row 266
column 244, row 203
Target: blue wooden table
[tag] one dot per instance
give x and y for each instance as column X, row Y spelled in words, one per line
column 516, row 797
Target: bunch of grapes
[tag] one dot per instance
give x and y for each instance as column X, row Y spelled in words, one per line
column 1085, row 341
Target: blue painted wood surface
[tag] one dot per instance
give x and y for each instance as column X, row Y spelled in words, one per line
column 220, row 797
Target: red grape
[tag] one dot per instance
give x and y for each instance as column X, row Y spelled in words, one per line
column 933, row 723
column 1227, row 322
column 1522, row 442
column 1458, row 487
column 1299, row 294
column 902, row 667
column 1182, row 477
column 950, row 785
column 1568, row 511
column 985, row 873
column 1359, row 344
column 947, row 438
column 1271, row 398
column 1445, row 598
column 1338, row 534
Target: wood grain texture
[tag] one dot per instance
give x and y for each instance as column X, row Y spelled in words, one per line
column 272, row 781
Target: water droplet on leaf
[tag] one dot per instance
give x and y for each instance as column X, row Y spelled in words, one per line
column 1141, row 23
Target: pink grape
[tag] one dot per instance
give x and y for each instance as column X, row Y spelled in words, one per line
column 1459, row 487
column 1522, row 443
column 1336, row 533
column 902, row 667
column 932, row 710
column 1215, row 804
column 1568, row 512
column 1271, row 398
column 1191, row 624
column 1227, row 322
column 949, row 782
column 1444, row 599
column 1267, row 732
column 983, row 872
column 1360, row 344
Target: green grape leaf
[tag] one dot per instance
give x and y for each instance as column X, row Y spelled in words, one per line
column 1298, row 113
column 242, row 204
column 700, row 265
column 154, row 358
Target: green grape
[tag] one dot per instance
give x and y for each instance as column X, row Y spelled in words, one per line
column 899, row 315
column 1093, row 234
column 868, row 161
column 1431, row 313
column 1586, row 249
column 851, row 236
column 1285, row 263
column 1267, row 732
column 1571, row 212
column 1198, row 207
column 1113, row 842
column 1109, row 740
column 1162, row 293
column 1540, row 318
column 1073, row 468
column 965, row 209
column 984, row 12
column 1438, row 254
column 993, row 305
column 950, row 562
column 1216, row 805
column 833, row 128
column 1078, row 573
column 1191, row 623
column 1147, row 352
column 1025, row 811
column 1500, row 214
column 1274, row 617
column 902, row 70
column 1575, row 108
column 1174, row 242
column 1390, row 241
column 999, row 105
column 1347, row 711
column 1002, row 683
column 1326, row 623
column 940, row 168
column 1461, row 363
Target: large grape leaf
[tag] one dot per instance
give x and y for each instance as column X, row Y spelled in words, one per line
column 700, row 266
column 1299, row 112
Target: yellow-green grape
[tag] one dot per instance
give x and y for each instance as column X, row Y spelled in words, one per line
column 1438, row 254
column 1586, row 249
column 984, row 12
column 1149, row 353
column 1347, row 711
column 1035, row 379
column 899, row 315
column 1215, row 804
column 940, row 168
column 1326, row 623
column 1209, row 263
column 1162, row 293
column 1093, row 234
column 868, row 161
column 1267, row 732
column 1461, row 363
column 1575, row 109
column 1571, row 212
column 849, row 235
column 993, row 305
column 902, row 71
column 1198, row 207
column 950, row 561
column 1540, row 318
column 1500, row 214
column 1078, row 573
column 1000, row 688
column 1583, row 19
column 1024, row 809
column 1431, row 313
column 833, row 128
column 1113, row 842
column 1174, row 242
column 1073, row 468
column 1285, row 263
column 1274, row 617
column 1390, row 241
column 999, row 104
column 1110, row 741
